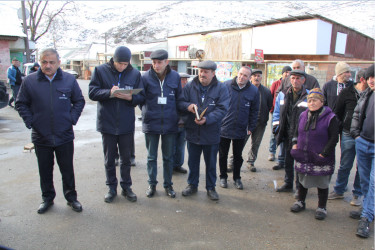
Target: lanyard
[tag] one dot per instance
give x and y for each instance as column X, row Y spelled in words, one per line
column 161, row 87
column 118, row 83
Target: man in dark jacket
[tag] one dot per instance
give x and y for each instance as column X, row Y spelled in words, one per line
column 115, row 117
column 50, row 102
column 346, row 102
column 265, row 105
column 362, row 130
column 15, row 79
column 160, row 119
column 332, row 89
column 289, row 105
column 239, row 121
column 210, row 98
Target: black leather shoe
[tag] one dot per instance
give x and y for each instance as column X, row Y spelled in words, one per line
column 44, row 206
column 180, row 170
column 238, row 184
column 285, row 188
column 355, row 214
column 129, row 194
column 170, row 192
column 150, row 191
column 110, row 196
column 75, row 205
column 277, row 167
column 223, row 183
column 189, row 190
column 212, row 194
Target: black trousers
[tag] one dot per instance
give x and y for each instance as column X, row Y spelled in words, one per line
column 111, row 145
column 289, row 164
column 64, row 156
column 238, row 145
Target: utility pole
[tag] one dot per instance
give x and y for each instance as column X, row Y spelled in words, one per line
column 105, row 46
column 27, row 50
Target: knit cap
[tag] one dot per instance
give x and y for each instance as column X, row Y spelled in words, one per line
column 122, row 54
column 341, row 67
column 316, row 93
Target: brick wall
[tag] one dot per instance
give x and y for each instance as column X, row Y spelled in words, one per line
column 4, row 60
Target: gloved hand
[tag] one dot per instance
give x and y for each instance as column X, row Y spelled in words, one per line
column 275, row 129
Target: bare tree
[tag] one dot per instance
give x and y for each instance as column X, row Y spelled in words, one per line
column 41, row 18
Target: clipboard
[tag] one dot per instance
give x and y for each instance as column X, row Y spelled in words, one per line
column 126, row 91
column 197, row 115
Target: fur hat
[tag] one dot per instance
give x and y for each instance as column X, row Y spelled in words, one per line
column 341, row 67
column 316, row 93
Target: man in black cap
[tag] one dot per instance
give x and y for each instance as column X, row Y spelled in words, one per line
column 159, row 118
column 179, row 152
column 362, row 130
column 290, row 103
column 265, row 105
column 272, row 148
column 205, row 102
column 116, row 117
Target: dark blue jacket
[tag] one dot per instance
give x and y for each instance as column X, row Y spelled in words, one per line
column 265, row 99
column 115, row 116
column 217, row 101
column 160, row 118
column 243, row 110
column 50, row 108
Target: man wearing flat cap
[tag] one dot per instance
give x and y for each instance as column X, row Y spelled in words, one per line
column 332, row 89
column 205, row 102
column 160, row 118
column 116, row 117
column 265, row 105
column 289, row 105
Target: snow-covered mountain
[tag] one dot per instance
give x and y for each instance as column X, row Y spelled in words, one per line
column 133, row 22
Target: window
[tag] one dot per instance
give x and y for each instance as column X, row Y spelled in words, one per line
column 340, row 43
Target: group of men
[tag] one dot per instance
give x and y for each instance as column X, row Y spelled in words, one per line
column 207, row 113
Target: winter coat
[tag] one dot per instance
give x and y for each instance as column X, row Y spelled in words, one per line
column 115, row 116
column 13, row 78
column 280, row 115
column 346, row 102
column 330, row 93
column 265, row 102
column 217, row 100
column 161, row 118
column 50, row 108
column 311, row 143
column 274, row 87
column 242, row 112
column 359, row 114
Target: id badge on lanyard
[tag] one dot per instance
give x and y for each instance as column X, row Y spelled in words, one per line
column 161, row 99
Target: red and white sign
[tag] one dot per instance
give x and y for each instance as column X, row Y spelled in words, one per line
column 259, row 58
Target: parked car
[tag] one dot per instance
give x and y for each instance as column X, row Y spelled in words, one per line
column 70, row 71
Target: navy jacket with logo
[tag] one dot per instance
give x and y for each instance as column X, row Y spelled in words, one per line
column 50, row 108
column 115, row 116
column 243, row 110
column 217, row 101
column 160, row 118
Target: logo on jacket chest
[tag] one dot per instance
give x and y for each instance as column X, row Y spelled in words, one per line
column 63, row 97
column 171, row 93
column 247, row 104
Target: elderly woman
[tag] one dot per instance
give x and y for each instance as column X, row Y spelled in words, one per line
column 313, row 149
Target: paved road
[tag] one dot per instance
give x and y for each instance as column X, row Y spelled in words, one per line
column 254, row 218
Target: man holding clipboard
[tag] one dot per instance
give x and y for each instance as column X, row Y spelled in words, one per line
column 112, row 85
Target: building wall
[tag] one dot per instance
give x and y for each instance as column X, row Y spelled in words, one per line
column 357, row 46
column 4, row 60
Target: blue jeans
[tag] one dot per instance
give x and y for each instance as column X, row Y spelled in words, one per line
column 210, row 157
column 15, row 88
column 365, row 161
column 179, row 150
column 167, row 148
column 346, row 164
